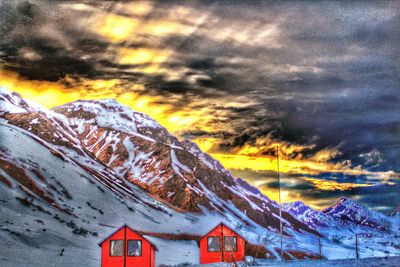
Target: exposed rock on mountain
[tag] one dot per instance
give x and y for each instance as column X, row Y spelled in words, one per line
column 346, row 210
column 79, row 170
column 345, row 214
column 141, row 151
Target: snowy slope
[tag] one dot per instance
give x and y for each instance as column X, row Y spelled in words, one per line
column 345, row 213
column 365, row 262
column 311, row 217
column 144, row 153
column 55, row 195
column 61, row 191
column 378, row 234
column 348, row 211
column 59, row 205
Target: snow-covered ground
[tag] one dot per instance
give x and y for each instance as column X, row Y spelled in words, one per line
column 367, row 262
column 86, row 201
column 33, row 233
column 168, row 250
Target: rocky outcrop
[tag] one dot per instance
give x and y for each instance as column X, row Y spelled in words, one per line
column 141, row 151
column 136, row 149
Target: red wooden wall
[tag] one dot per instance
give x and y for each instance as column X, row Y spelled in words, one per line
column 221, row 256
column 125, row 233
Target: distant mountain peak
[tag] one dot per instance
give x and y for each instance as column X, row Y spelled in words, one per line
column 340, row 204
column 12, row 102
column 110, row 104
column 347, row 210
column 111, row 115
column 345, row 213
column 295, row 206
column 107, row 112
column 313, row 218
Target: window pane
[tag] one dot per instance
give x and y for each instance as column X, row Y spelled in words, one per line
column 134, row 248
column 214, row 243
column 117, row 247
column 230, row 243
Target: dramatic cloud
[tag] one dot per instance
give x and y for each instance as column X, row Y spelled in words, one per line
column 318, row 79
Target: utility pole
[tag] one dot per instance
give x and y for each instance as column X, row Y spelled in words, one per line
column 357, row 246
column 280, row 202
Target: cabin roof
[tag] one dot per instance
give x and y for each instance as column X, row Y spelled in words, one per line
column 127, row 226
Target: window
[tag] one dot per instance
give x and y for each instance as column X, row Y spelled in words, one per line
column 135, row 248
column 117, row 248
column 214, row 244
column 230, row 243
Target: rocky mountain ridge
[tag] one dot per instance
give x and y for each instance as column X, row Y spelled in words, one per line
column 345, row 213
column 78, row 171
column 133, row 149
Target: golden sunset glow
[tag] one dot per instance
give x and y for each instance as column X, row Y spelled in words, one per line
column 238, row 82
column 141, row 56
column 295, row 166
column 291, row 159
column 116, row 28
column 51, row 94
column 250, row 159
column 333, row 185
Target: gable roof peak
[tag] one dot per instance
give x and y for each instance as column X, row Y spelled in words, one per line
column 130, row 228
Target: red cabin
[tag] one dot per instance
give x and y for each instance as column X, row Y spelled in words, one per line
column 221, row 244
column 127, row 248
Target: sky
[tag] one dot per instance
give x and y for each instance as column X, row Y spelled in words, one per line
column 320, row 80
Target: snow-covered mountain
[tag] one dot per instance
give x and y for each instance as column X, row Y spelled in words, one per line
column 349, row 211
column 141, row 151
column 70, row 175
column 345, row 213
column 341, row 222
column 311, row 217
column 66, row 182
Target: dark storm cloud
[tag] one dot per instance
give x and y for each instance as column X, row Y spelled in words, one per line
column 382, row 197
column 315, row 73
column 370, row 191
column 57, row 48
column 379, row 197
